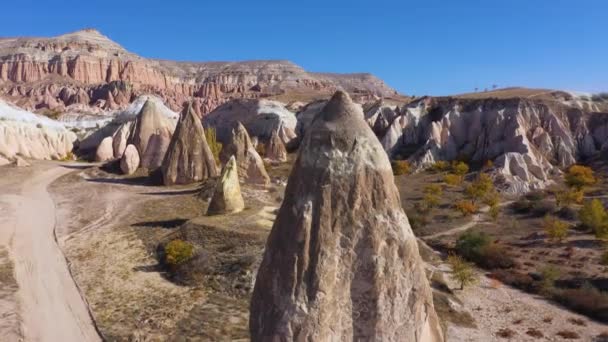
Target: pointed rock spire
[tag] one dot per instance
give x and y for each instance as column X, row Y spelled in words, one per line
column 250, row 164
column 189, row 158
column 275, row 149
column 227, row 197
column 341, row 262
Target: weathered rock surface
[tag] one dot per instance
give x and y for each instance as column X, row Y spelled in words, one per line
column 250, row 164
column 97, row 72
column 227, row 196
column 20, row 162
column 104, row 151
column 189, row 158
column 275, row 149
column 260, row 117
column 120, row 139
column 32, row 136
column 341, row 262
column 528, row 139
column 150, row 121
column 153, row 157
column 130, row 160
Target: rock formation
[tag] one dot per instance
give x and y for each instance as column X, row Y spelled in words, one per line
column 189, row 158
column 32, row 136
column 150, row 121
column 155, row 153
column 341, row 262
column 275, row 149
column 120, row 138
column 96, row 72
column 130, row 160
column 104, row 151
column 529, row 140
column 260, row 117
column 250, row 164
column 227, row 197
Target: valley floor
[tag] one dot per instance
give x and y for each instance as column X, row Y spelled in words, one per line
column 109, row 228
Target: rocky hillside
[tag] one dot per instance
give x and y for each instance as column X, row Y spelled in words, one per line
column 85, row 70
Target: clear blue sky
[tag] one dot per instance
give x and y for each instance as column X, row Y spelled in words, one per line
column 419, row 47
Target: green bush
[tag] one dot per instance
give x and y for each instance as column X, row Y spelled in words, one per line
column 594, row 216
column 177, row 252
column 479, row 248
column 470, row 243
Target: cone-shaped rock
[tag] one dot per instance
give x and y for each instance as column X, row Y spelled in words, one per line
column 227, row 197
column 250, row 164
column 150, row 121
column 189, row 158
column 275, row 149
column 130, row 160
column 341, row 262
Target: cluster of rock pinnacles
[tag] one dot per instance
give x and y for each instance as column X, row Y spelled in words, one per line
column 341, row 262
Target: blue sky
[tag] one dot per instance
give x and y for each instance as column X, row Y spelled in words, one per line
column 419, row 47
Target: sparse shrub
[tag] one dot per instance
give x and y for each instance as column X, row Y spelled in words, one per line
column 462, row 271
column 214, row 145
column 586, row 300
column 579, row 176
column 488, row 164
column 494, row 212
column 417, row 218
column 594, row 216
column 491, row 199
column 556, row 229
column 479, row 248
column 460, row 168
column 433, row 189
column 515, row 279
column 68, row 157
column 440, row 166
column 430, row 200
column 549, row 275
column 178, row 252
column 535, row 333
column 452, row 179
column 568, row 197
column 466, row 208
column 577, row 321
column 494, row 256
column 401, row 167
column 470, row 243
column 505, row 333
column 480, row 188
column 568, row 335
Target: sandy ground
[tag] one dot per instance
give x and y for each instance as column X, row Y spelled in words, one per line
column 50, row 305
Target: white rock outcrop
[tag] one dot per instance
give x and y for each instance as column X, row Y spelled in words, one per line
column 129, row 162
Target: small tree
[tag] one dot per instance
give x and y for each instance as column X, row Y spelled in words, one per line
column 550, row 274
column 452, row 179
column 462, row 271
column 568, row 197
column 214, row 145
column 579, row 176
column 480, row 188
column 401, row 167
column 460, row 168
column 466, row 208
column 440, row 166
column 430, row 200
column 594, row 216
column 433, row 189
column 555, row 229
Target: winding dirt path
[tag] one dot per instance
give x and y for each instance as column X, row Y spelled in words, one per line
column 51, row 306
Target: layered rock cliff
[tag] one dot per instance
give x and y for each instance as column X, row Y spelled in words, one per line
column 528, row 139
column 86, row 69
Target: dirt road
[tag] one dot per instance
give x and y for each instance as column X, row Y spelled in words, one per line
column 50, row 305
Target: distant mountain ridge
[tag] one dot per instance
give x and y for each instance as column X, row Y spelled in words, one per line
column 87, row 69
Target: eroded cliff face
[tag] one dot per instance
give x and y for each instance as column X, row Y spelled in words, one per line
column 527, row 139
column 85, row 69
